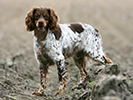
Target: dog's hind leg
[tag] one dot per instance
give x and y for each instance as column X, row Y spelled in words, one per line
column 80, row 62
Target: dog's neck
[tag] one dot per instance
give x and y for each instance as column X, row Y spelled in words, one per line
column 40, row 34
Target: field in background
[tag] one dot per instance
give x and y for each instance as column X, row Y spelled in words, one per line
column 113, row 18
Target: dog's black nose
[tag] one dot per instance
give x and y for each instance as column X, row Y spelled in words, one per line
column 40, row 22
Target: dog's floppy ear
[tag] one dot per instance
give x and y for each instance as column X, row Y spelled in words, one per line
column 53, row 19
column 29, row 20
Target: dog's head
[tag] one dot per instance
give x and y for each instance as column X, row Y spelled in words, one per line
column 41, row 19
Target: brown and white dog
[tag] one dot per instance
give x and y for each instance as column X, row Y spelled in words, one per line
column 54, row 43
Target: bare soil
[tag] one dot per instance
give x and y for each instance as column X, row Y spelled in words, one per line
column 19, row 73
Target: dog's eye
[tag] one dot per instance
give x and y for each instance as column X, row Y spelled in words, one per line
column 36, row 16
column 46, row 17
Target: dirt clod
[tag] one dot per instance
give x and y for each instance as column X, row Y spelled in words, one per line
column 111, row 83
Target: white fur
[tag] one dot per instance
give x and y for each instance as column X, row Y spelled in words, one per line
column 89, row 41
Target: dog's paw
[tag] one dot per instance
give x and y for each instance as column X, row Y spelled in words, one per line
column 79, row 86
column 60, row 92
column 38, row 93
column 74, row 87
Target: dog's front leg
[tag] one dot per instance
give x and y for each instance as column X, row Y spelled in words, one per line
column 43, row 81
column 43, row 68
column 63, row 76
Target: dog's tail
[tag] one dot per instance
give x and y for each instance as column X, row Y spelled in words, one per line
column 107, row 60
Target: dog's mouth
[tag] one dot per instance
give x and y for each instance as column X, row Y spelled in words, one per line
column 41, row 27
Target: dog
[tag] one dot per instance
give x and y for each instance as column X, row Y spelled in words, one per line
column 54, row 43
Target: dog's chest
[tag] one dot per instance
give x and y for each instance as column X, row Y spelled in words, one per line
column 44, row 46
column 64, row 46
column 49, row 46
